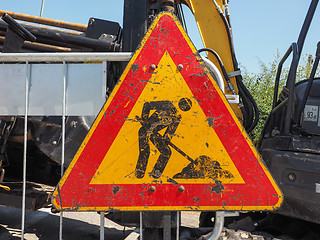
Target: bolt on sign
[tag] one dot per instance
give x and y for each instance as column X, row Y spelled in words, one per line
column 166, row 139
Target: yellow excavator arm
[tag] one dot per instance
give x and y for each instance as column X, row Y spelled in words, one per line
column 215, row 36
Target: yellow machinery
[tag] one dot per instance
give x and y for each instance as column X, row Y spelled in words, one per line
column 212, row 17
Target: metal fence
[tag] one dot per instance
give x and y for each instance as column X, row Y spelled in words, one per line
column 73, row 84
column 65, row 87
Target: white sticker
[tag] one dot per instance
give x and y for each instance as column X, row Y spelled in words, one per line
column 317, row 187
column 311, row 113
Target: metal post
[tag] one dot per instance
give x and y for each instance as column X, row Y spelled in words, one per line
column 178, row 225
column 102, row 225
column 104, row 77
column 167, row 226
column 25, row 150
column 135, row 21
column 42, row 5
column 102, row 214
column 65, row 70
column 141, row 229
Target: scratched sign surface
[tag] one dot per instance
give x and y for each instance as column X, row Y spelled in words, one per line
column 166, row 139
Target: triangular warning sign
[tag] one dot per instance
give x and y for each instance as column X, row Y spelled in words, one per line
column 166, row 139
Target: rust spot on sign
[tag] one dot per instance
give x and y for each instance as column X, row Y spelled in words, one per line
column 116, row 189
column 218, row 188
column 170, row 180
column 134, row 67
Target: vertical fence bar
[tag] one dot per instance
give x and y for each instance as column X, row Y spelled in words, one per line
column 63, row 137
column 102, row 225
column 24, row 185
column 178, row 225
column 167, row 226
column 141, row 228
column 104, row 90
column 104, row 78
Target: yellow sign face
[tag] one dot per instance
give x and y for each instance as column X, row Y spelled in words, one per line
column 188, row 132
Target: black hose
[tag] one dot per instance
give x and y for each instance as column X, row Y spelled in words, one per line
column 252, row 105
column 250, row 109
column 224, row 72
column 248, row 122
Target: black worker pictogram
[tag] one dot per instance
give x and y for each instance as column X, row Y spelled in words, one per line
column 164, row 115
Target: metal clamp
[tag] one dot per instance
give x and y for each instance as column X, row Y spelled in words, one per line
column 234, row 74
column 233, row 99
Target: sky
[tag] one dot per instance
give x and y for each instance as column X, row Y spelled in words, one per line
column 260, row 27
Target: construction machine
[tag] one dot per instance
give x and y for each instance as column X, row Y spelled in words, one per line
column 289, row 140
column 288, row 143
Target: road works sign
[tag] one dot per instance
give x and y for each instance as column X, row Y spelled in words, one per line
column 166, row 139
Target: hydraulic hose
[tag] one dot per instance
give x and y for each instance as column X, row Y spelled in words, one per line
column 250, row 109
column 224, row 72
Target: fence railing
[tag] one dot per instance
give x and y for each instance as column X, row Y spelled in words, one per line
column 73, row 84
column 59, row 84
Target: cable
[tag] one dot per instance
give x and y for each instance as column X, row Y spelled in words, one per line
column 224, row 72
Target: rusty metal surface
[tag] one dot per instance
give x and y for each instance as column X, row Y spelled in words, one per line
column 65, row 39
column 46, row 21
column 40, row 46
column 167, row 139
